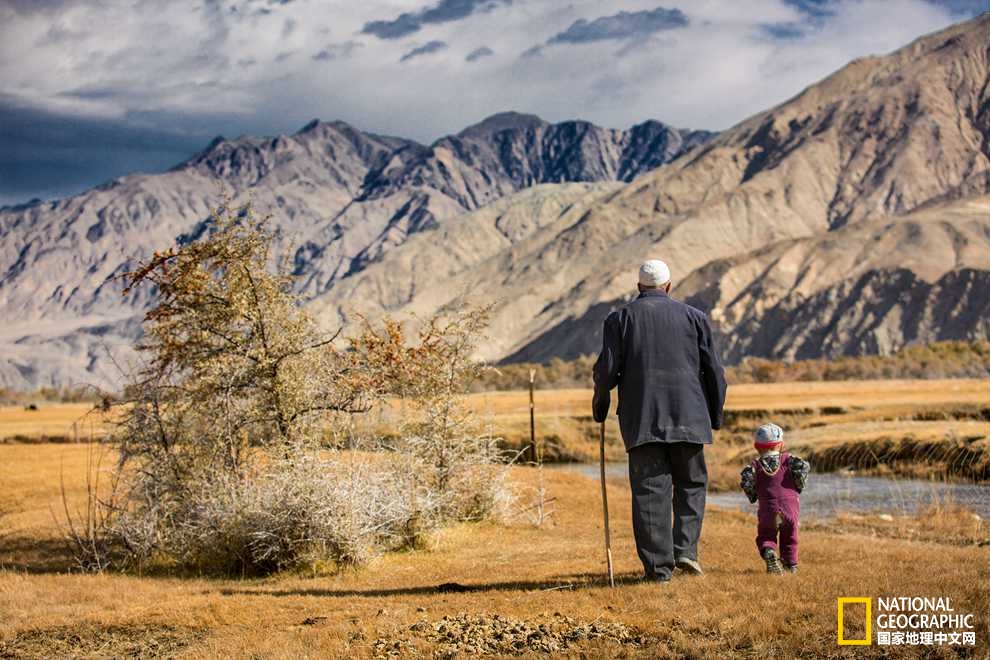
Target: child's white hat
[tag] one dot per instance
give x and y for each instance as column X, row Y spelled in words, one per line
column 767, row 436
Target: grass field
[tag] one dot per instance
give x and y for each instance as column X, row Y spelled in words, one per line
column 926, row 428
column 937, row 428
column 50, row 421
column 511, row 408
column 496, row 584
column 490, row 588
column 764, row 396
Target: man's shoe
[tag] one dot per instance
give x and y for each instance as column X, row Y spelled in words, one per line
column 655, row 577
column 689, row 566
column 773, row 562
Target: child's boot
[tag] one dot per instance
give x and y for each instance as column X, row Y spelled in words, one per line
column 773, row 561
column 790, row 568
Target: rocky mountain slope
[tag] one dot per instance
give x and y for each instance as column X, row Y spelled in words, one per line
column 847, row 219
column 342, row 199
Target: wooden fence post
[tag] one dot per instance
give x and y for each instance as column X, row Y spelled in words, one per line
column 532, row 419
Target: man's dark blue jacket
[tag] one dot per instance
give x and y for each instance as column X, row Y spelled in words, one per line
column 660, row 354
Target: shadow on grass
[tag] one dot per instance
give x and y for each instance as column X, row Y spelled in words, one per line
column 555, row 583
column 36, row 555
column 39, row 556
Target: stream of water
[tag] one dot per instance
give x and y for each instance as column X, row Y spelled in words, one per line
column 828, row 493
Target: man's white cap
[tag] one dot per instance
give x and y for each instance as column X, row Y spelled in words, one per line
column 654, row 273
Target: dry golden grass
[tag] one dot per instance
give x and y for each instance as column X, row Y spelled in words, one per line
column 32, row 476
column 857, row 393
column 513, row 570
column 557, row 410
column 868, row 416
column 941, row 523
column 863, row 417
column 61, row 421
column 843, row 432
column 763, row 396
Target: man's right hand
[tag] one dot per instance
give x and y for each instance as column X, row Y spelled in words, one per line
column 600, row 403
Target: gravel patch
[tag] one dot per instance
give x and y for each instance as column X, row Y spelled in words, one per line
column 494, row 634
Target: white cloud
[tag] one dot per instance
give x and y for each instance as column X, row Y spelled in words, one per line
column 227, row 60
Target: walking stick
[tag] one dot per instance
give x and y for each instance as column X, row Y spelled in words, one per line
column 608, row 536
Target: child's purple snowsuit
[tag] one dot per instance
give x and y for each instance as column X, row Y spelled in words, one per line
column 779, row 510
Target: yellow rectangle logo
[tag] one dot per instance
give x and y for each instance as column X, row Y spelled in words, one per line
column 869, row 621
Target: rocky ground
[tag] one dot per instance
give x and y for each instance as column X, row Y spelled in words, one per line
column 90, row 640
column 495, row 634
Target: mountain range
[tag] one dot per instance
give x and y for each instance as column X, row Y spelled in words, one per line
column 853, row 218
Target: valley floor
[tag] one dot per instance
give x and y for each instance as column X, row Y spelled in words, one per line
column 932, row 429
column 496, row 585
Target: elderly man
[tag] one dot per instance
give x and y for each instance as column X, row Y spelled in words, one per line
column 660, row 354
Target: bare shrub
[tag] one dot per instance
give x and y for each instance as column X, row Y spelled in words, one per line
column 221, row 432
column 452, row 456
column 90, row 530
column 541, row 507
column 298, row 512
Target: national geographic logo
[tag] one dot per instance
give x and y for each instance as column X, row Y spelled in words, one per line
column 867, row 639
column 907, row 621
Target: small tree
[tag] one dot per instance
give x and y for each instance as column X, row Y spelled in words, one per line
column 453, row 456
column 232, row 361
column 229, row 348
column 220, row 431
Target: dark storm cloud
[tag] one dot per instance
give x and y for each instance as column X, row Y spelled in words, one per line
column 623, row 25
column 34, row 6
column 816, row 12
column 444, row 11
column 534, row 51
column 821, row 9
column 425, row 49
column 49, row 155
column 404, row 25
column 813, row 8
column 478, row 53
column 782, row 31
column 964, row 8
column 92, row 93
column 337, row 51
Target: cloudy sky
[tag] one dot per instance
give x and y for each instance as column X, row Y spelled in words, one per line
column 91, row 89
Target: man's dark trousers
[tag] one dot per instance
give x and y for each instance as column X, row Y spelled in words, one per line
column 668, row 480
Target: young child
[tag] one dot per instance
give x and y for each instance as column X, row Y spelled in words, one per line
column 776, row 480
